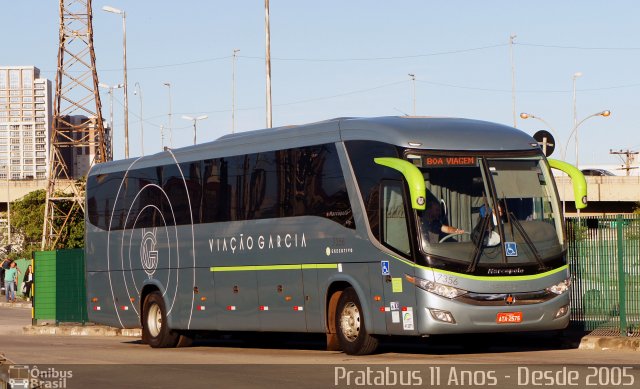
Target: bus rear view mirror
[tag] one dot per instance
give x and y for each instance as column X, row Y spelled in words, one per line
column 412, row 174
column 577, row 178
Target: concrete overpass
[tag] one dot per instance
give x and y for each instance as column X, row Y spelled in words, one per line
column 608, row 195
column 16, row 189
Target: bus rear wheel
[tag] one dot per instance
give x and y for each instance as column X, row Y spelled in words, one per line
column 350, row 325
column 155, row 331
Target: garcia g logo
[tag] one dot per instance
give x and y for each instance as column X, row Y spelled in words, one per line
column 148, row 252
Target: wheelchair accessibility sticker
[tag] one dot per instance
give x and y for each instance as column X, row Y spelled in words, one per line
column 385, row 268
column 511, row 249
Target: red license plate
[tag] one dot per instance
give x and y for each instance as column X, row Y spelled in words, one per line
column 509, row 317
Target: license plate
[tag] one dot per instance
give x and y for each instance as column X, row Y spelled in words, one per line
column 509, row 317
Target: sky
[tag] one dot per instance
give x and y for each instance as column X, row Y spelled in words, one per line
column 353, row 58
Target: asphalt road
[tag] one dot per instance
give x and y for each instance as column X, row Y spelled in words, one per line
column 289, row 360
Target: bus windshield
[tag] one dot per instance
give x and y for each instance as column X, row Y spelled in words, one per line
column 489, row 216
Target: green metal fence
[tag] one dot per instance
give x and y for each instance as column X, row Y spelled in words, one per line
column 59, row 286
column 604, row 256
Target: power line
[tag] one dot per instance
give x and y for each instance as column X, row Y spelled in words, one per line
column 205, row 60
column 360, row 59
column 528, row 90
column 578, row 47
column 170, row 65
column 275, row 105
column 628, row 160
column 448, row 52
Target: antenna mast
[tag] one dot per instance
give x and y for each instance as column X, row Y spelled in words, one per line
column 77, row 134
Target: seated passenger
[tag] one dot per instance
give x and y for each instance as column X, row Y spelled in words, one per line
column 491, row 236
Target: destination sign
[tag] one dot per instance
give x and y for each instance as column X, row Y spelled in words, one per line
column 430, row 161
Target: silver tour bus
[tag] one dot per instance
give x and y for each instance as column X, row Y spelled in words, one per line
column 351, row 227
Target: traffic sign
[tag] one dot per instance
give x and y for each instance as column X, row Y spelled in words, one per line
column 546, row 141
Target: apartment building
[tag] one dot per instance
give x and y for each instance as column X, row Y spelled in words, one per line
column 25, row 123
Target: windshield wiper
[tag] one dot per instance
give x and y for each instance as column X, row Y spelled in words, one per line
column 478, row 248
column 513, row 220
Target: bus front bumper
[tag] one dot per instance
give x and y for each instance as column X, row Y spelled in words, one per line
column 444, row 316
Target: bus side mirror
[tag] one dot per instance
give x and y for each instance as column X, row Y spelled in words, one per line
column 577, row 178
column 413, row 175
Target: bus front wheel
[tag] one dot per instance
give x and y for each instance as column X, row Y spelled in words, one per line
column 155, row 331
column 350, row 325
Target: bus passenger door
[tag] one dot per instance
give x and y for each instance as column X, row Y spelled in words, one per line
column 399, row 295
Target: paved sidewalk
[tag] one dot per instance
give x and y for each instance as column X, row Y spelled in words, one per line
column 18, row 304
column 610, row 343
column 70, row 329
column 19, row 322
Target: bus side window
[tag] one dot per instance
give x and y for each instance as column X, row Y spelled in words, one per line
column 394, row 220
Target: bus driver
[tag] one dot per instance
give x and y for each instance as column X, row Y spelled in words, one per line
column 433, row 225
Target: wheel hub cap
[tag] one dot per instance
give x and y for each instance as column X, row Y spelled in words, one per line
column 350, row 322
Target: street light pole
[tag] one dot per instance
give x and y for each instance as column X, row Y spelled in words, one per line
column 525, row 115
column 268, row 60
column 605, row 113
column 413, row 81
column 513, row 79
column 168, row 85
column 138, row 90
column 110, row 89
column 124, row 60
column 195, row 119
column 162, row 137
column 575, row 113
column 233, row 92
column 8, row 202
column 563, row 150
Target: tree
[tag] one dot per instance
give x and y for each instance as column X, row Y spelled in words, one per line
column 27, row 219
column 27, row 216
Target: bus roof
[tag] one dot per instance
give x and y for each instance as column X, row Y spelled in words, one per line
column 429, row 133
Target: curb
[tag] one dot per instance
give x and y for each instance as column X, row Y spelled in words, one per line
column 604, row 343
column 24, row 304
column 81, row 331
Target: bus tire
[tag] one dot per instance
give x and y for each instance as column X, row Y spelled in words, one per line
column 350, row 325
column 155, row 332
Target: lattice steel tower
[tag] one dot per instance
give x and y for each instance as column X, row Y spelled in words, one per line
column 77, row 127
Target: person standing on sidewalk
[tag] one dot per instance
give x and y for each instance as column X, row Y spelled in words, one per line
column 27, row 283
column 3, row 267
column 10, row 282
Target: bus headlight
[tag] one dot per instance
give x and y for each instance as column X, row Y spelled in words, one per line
column 440, row 289
column 560, row 287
